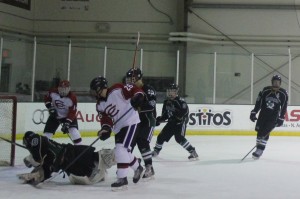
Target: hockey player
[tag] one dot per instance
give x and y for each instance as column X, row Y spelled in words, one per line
column 147, row 114
column 175, row 111
column 272, row 104
column 62, row 106
column 117, row 107
column 48, row 156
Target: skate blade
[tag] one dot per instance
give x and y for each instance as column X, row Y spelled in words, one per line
column 255, row 158
column 122, row 188
column 193, row 159
column 148, row 178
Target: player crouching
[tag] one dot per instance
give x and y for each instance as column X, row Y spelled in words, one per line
column 48, row 156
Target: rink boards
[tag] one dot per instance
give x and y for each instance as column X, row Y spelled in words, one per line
column 204, row 119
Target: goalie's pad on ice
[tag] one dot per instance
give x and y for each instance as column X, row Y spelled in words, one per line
column 106, row 160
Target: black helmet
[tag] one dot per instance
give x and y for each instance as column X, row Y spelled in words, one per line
column 172, row 90
column 276, row 77
column 133, row 75
column 97, row 85
column 28, row 138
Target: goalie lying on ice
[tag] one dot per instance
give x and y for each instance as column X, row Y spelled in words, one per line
column 48, row 156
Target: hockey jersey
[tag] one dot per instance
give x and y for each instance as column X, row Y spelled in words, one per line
column 66, row 107
column 116, row 104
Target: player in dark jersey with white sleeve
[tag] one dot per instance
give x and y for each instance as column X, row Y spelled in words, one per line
column 175, row 111
column 147, row 114
column 62, row 106
column 272, row 104
column 116, row 106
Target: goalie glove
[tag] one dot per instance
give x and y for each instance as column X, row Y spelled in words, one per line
column 30, row 162
column 65, row 127
column 104, row 133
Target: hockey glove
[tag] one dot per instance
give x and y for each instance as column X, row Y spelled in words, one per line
column 104, row 133
column 159, row 120
column 279, row 122
column 136, row 101
column 52, row 111
column 65, row 127
column 253, row 116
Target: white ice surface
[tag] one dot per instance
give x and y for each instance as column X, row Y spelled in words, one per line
column 219, row 173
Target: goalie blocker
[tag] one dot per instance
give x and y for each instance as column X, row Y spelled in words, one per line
column 48, row 156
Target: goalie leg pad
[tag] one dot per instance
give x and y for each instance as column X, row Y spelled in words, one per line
column 107, row 156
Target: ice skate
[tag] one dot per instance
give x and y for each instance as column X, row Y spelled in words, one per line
column 149, row 173
column 120, row 184
column 138, row 172
column 193, row 156
column 256, row 154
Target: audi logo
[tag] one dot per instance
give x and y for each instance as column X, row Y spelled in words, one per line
column 40, row 116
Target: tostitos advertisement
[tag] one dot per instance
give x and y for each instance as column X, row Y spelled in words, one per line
column 204, row 119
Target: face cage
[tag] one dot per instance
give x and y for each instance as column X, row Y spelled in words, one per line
column 130, row 80
column 276, row 83
column 172, row 93
column 63, row 91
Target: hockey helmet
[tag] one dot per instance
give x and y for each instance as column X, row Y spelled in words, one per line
column 97, row 85
column 64, row 88
column 133, row 75
column 276, row 81
column 172, row 91
column 28, row 138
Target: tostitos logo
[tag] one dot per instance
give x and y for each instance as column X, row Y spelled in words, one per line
column 208, row 117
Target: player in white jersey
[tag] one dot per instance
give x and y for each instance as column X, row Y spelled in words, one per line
column 62, row 106
column 117, row 107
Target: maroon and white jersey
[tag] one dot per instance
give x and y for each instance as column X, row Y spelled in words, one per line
column 116, row 104
column 66, row 107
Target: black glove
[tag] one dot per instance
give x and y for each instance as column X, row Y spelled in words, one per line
column 52, row 111
column 253, row 116
column 65, row 127
column 105, row 132
column 279, row 122
column 159, row 120
column 136, row 101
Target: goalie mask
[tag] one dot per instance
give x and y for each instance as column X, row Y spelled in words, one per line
column 276, row 82
column 133, row 75
column 172, row 91
column 28, row 138
column 64, row 88
column 97, row 85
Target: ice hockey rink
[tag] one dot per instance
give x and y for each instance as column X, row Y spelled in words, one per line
column 218, row 174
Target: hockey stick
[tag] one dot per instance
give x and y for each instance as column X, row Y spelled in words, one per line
column 81, row 154
column 136, row 48
column 14, row 143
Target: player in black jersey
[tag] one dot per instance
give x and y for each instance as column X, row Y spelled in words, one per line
column 272, row 104
column 175, row 111
column 48, row 156
column 147, row 114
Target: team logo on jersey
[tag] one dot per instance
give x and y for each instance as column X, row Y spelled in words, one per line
column 59, row 104
column 111, row 110
column 208, row 117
